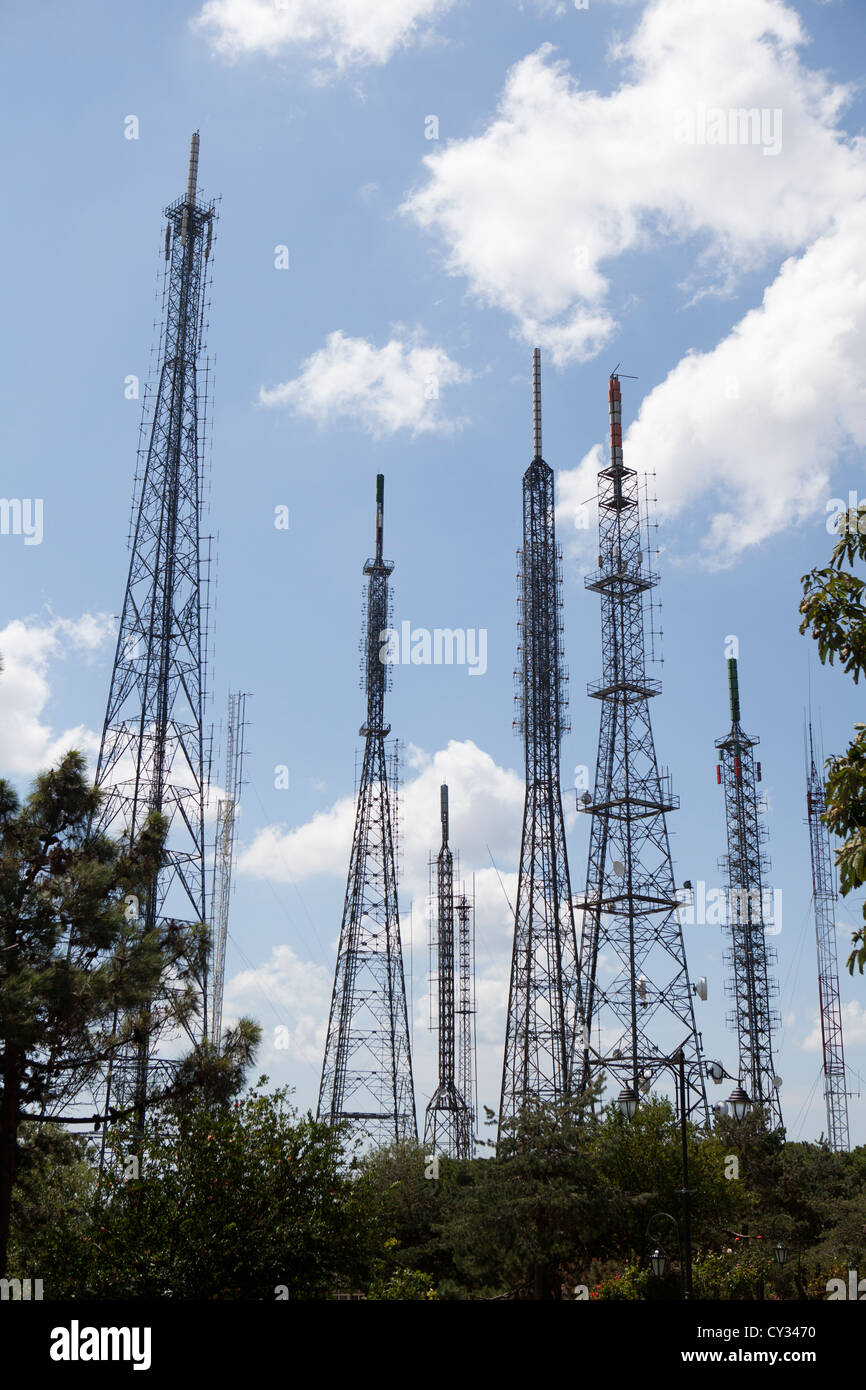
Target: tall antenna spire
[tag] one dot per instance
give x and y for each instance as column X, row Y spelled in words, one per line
column 536, row 402
column 749, row 957
column 152, row 754
column 192, row 179
column 636, row 993
column 543, row 1001
column 380, row 515
column 367, row 1069
column 614, row 397
column 829, row 1001
column 224, row 840
column 449, row 1121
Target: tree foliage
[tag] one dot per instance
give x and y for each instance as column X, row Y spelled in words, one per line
column 833, row 611
column 71, row 963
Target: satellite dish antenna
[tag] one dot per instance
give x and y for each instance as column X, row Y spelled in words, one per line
column 586, row 798
column 701, row 987
column 619, row 868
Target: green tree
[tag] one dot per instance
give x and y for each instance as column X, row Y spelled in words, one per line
column 640, row 1162
column 70, row 961
column 523, row 1223
column 833, row 611
column 234, row 1200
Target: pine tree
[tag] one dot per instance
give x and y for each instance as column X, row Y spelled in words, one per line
column 73, row 960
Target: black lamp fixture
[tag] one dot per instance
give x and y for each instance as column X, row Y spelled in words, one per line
column 739, row 1101
column 627, row 1102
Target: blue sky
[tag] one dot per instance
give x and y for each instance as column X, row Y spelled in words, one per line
column 561, row 204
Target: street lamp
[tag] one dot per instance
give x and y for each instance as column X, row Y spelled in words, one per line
column 739, row 1101
column 627, row 1102
column 659, row 1260
column 780, row 1252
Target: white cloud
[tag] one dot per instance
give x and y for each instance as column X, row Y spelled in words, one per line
column 486, row 806
column 748, row 434
column 294, row 995
column 535, row 210
column 853, row 1028
column 319, row 847
column 381, row 390
column 743, row 438
column 342, row 32
column 30, row 648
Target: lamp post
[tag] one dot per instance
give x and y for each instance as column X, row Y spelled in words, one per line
column 659, row 1257
column 739, row 1101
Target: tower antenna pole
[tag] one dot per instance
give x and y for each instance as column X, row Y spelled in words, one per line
column 152, row 752
column 367, row 1069
column 829, row 1002
column 544, row 991
column 448, row 1125
column 750, row 958
column 635, row 985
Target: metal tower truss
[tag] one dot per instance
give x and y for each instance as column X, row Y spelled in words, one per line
column 367, row 1071
column 544, row 990
column 829, row 1002
column 449, row 1125
column 465, row 1010
column 152, row 755
column 749, row 958
column 635, row 986
column 227, row 809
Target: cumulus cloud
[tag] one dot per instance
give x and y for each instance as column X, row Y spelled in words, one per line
column 486, row 805
column 295, row 995
column 380, row 390
column 344, row 33
column 536, row 209
column 751, row 431
column 30, row 648
column 719, row 138
column 853, row 1028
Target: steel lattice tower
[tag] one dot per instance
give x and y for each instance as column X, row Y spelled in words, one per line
column 544, row 989
column 829, row 1003
column 367, row 1071
column 749, row 957
column 465, row 1010
column 152, row 755
column 635, row 985
column 227, row 810
column 448, row 1126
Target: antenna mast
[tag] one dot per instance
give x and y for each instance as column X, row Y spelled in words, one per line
column 367, row 1070
column 636, row 990
column 227, row 810
column 829, row 1003
column 449, row 1125
column 544, row 993
column 749, row 957
column 152, row 754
